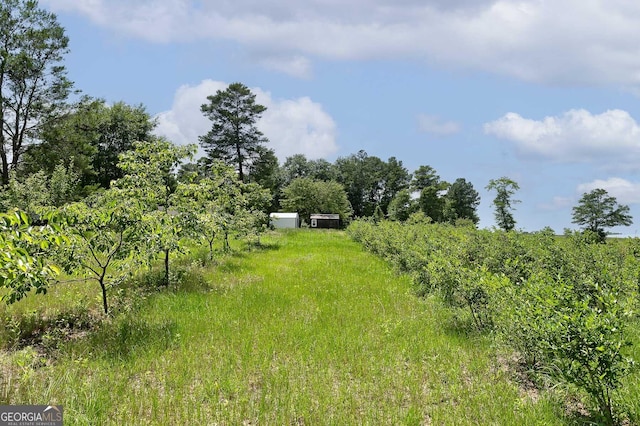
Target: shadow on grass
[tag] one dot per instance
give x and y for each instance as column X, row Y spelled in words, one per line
column 31, row 328
column 575, row 413
column 119, row 337
column 268, row 246
column 232, row 266
column 124, row 337
column 462, row 326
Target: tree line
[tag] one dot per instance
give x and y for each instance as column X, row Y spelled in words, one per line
column 74, row 149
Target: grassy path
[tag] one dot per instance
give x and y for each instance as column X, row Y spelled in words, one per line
column 310, row 331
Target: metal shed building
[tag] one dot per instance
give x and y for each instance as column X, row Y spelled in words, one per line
column 284, row 220
column 325, row 221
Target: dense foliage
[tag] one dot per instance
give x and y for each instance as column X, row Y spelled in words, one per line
column 597, row 210
column 25, row 261
column 105, row 239
column 308, row 196
column 89, row 188
column 108, row 235
column 461, row 202
column 33, row 82
column 234, row 137
column 503, row 203
column 562, row 304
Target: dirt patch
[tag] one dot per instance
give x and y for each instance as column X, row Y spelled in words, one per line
column 513, row 366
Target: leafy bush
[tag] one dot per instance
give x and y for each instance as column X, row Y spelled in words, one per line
column 562, row 304
column 24, row 250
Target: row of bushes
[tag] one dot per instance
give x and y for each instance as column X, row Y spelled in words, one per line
column 563, row 304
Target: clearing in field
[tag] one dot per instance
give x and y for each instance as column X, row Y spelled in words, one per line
column 308, row 330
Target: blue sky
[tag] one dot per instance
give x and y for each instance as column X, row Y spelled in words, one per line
column 544, row 92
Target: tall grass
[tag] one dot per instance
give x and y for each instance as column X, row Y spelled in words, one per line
column 309, row 330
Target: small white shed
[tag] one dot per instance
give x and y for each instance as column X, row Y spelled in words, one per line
column 284, row 220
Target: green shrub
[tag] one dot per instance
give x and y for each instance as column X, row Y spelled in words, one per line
column 562, row 304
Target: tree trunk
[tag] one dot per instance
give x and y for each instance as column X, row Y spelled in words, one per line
column 239, row 155
column 5, row 167
column 166, row 267
column 104, row 295
column 227, row 247
column 240, row 172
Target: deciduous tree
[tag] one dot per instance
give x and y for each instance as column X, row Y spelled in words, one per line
column 505, row 188
column 34, row 193
column 24, row 264
column 298, row 166
column 396, row 178
column 321, row 169
column 150, row 178
column 362, row 177
column 107, row 235
column 265, row 171
column 223, row 205
column 307, row 196
column 432, row 201
column 401, row 206
column 90, row 137
column 33, row 83
column 294, row 167
column 597, row 210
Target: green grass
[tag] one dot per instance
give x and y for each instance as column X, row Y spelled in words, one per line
column 310, row 330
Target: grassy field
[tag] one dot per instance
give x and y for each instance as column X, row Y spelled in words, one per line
column 308, row 330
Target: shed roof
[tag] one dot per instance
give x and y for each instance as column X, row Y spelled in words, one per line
column 279, row 215
column 325, row 216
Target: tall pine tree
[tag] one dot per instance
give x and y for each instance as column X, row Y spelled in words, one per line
column 234, row 137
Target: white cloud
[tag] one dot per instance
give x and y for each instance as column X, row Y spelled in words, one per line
column 293, row 126
column 437, row 126
column 610, row 138
column 184, row 122
column 589, row 42
column 298, row 126
column 624, row 191
column 157, row 21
